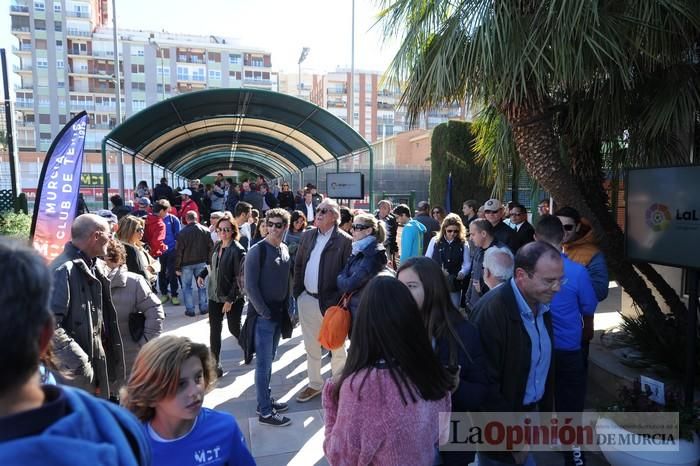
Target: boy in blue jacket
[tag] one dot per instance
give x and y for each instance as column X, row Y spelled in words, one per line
column 412, row 233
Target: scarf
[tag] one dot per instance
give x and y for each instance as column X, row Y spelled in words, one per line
column 361, row 245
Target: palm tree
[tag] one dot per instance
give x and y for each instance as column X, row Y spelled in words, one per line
column 564, row 76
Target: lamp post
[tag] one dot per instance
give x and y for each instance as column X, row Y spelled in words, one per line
column 302, row 57
column 118, row 92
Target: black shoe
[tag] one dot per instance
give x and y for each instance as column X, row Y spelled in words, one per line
column 275, row 420
column 219, row 371
column 204, row 312
column 277, row 407
column 189, row 313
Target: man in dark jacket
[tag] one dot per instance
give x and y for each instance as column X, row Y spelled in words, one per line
column 322, row 254
column 193, row 253
column 524, row 231
column 493, row 211
column 35, row 419
column 163, row 191
column 87, row 341
column 516, row 328
column 431, row 225
column 391, row 227
column 269, row 200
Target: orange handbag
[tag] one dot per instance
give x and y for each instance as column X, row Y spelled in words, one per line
column 336, row 324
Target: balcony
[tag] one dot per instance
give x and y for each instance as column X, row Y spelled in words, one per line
column 19, row 9
column 109, row 54
column 22, row 69
column 25, row 48
column 20, row 29
column 337, row 90
column 77, row 14
column 257, row 82
column 26, row 104
column 77, row 32
column 82, row 105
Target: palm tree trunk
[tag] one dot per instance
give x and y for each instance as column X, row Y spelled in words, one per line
column 538, row 148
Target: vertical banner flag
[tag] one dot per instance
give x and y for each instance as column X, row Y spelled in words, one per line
column 448, row 194
column 57, row 191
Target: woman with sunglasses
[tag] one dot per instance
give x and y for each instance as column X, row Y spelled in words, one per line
column 368, row 257
column 286, row 198
column 438, row 213
column 225, row 289
column 450, row 249
column 456, row 341
column 130, row 233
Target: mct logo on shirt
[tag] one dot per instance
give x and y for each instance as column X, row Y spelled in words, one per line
column 207, row 456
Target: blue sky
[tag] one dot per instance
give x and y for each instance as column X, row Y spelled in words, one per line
column 282, row 26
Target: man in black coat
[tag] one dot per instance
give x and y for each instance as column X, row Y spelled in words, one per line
column 515, row 326
column 493, row 211
column 163, row 191
column 524, row 231
column 391, row 226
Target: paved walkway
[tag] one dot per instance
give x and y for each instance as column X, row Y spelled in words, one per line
column 301, row 443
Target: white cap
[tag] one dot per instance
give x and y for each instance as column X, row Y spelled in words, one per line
column 186, row 192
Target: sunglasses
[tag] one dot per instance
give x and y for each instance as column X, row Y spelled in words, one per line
column 278, row 225
column 569, row 226
column 451, row 230
column 323, row 211
column 491, row 212
column 224, row 230
column 360, row 227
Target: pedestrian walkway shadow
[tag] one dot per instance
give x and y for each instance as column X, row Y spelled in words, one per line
column 299, row 444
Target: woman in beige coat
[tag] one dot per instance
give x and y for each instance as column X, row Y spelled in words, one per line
column 131, row 293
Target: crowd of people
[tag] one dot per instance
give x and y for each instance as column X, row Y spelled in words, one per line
column 478, row 311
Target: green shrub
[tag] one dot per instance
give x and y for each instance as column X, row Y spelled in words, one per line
column 15, row 225
column 451, row 151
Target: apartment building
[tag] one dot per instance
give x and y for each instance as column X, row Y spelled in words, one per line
column 66, row 55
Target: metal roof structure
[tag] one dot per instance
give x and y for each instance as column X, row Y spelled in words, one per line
column 265, row 132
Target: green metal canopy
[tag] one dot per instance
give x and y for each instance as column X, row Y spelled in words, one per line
column 266, row 132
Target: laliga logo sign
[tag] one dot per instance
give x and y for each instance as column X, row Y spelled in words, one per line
column 658, row 217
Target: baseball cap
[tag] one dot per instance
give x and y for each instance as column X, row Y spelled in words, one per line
column 144, row 201
column 108, row 215
column 186, row 192
column 492, row 204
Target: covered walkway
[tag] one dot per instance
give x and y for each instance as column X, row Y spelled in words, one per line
column 267, row 133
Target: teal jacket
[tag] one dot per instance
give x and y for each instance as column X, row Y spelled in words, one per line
column 412, row 239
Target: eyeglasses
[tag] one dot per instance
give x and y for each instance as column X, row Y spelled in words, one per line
column 453, row 231
column 224, row 230
column 323, row 211
column 139, row 230
column 360, row 227
column 491, row 211
column 278, row 225
column 550, row 282
column 569, row 226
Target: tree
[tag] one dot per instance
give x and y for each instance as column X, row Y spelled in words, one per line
column 570, row 78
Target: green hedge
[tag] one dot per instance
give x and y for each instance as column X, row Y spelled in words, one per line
column 451, row 151
column 15, row 225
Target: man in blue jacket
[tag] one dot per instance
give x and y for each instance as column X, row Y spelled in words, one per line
column 42, row 424
column 575, row 301
column 412, row 235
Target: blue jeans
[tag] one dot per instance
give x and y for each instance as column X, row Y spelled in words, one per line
column 167, row 276
column 267, row 337
column 189, row 275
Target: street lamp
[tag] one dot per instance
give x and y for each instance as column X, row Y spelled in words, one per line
column 162, row 70
column 302, row 57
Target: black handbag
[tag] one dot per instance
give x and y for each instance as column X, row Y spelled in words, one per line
column 137, row 325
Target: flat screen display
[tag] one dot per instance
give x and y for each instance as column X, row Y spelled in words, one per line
column 345, row 185
column 663, row 216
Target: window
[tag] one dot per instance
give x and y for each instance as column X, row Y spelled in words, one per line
column 215, row 57
column 198, row 74
column 40, row 44
column 42, row 62
column 39, row 6
column 57, row 7
column 44, row 119
column 138, row 104
column 234, row 59
column 137, row 68
column 214, row 74
column 183, row 74
column 235, row 75
column 40, row 24
column 59, row 46
column 164, row 71
column 136, row 51
column 57, row 26
column 59, row 64
column 61, row 85
column 138, row 86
